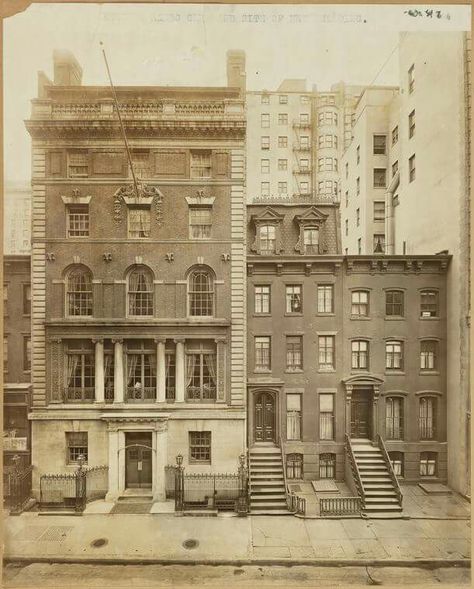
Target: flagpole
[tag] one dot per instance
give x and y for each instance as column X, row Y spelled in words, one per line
column 129, row 155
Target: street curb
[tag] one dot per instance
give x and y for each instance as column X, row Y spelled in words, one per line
column 432, row 563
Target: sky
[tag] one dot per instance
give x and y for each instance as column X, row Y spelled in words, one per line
column 181, row 45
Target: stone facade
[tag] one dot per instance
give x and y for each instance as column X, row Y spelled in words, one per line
column 144, row 322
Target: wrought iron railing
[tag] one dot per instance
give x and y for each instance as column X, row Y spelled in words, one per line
column 79, row 395
column 73, row 489
column 388, row 464
column 225, row 491
column 354, row 469
column 340, row 506
column 17, row 488
column 201, row 395
column 283, row 462
column 141, row 395
column 296, row 504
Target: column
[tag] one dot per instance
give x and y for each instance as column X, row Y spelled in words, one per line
column 348, row 409
column 160, row 456
column 160, row 370
column 220, row 369
column 180, row 370
column 375, row 423
column 113, row 490
column 99, row 371
column 118, row 370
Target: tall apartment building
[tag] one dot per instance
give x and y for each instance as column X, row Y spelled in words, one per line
column 295, row 140
column 406, row 191
column 138, row 291
column 17, row 219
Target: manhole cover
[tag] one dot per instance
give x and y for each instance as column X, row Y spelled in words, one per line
column 190, row 544
column 99, row 542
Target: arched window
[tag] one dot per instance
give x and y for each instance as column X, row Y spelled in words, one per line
column 394, row 418
column 294, row 466
column 201, row 293
column 79, row 292
column 140, row 292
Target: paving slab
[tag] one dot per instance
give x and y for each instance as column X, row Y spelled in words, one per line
column 320, row 529
column 332, row 549
column 369, row 548
column 271, row 531
column 356, row 528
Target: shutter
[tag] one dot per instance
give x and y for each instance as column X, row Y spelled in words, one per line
column 55, row 163
column 220, row 164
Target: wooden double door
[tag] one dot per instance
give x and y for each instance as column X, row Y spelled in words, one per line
column 138, row 460
column 264, row 418
column 361, row 414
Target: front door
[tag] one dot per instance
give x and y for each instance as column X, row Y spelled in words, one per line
column 138, row 461
column 264, row 417
column 360, row 414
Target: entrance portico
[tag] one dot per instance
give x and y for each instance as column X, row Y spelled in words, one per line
column 126, row 470
column 362, row 395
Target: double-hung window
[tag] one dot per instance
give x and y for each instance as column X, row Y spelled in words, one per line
column 360, row 354
column 326, row 416
column 394, row 355
column 326, row 352
column 263, row 352
column 262, row 299
column 294, row 352
column 325, row 298
column 77, row 220
column 294, row 302
column 200, row 222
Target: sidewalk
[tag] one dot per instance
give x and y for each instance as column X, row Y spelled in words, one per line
column 161, row 538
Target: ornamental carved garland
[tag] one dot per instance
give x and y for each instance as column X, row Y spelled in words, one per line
column 146, row 196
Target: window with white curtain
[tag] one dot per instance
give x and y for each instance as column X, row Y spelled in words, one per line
column 394, row 418
column 428, row 464
column 140, row 292
column 326, row 416
column 139, row 222
column 80, row 371
column 427, row 418
column 293, row 416
column 201, row 378
column 327, row 466
column 294, row 466
column 141, row 370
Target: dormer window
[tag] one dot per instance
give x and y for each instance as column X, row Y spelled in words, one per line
column 267, row 233
column 311, row 223
column 310, row 240
column 267, row 238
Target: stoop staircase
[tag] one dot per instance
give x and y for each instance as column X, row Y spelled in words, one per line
column 381, row 492
column 267, row 482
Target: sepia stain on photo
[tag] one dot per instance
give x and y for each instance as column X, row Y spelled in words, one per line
column 236, row 295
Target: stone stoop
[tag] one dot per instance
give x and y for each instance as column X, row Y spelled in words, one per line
column 267, row 483
column 379, row 491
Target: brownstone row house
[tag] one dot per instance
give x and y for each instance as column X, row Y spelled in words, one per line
column 148, row 299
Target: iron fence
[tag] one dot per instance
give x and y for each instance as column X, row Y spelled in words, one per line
column 17, row 488
column 340, row 506
column 296, row 504
column 73, row 489
column 225, row 491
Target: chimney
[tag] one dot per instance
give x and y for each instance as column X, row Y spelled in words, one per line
column 67, row 71
column 236, row 70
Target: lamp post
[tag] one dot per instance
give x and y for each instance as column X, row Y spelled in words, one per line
column 179, row 484
column 80, row 483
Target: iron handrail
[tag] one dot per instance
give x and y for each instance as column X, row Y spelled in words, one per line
column 355, row 469
column 287, row 494
column 389, row 466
